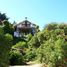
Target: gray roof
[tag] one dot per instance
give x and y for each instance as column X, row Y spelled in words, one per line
column 22, row 22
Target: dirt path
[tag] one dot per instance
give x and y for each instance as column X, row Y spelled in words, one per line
column 34, row 65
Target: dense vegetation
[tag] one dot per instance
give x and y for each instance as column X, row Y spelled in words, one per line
column 48, row 46
column 51, row 45
column 5, row 40
column 5, row 45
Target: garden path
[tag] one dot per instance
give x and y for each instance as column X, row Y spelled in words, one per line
column 34, row 65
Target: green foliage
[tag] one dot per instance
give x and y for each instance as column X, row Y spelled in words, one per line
column 52, row 45
column 17, row 53
column 29, row 36
column 16, row 58
column 20, row 45
column 34, row 42
column 30, row 55
column 8, row 40
column 8, row 27
column 3, row 17
column 51, row 26
column 1, row 30
column 48, row 46
column 5, row 45
column 18, row 39
column 9, row 37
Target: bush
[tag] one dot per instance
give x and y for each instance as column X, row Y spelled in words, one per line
column 20, row 45
column 34, row 42
column 16, row 58
column 29, row 36
column 18, row 39
column 5, row 45
column 30, row 55
column 17, row 53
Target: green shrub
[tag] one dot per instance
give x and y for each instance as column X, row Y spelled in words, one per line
column 20, row 45
column 17, row 53
column 30, row 55
column 5, row 45
column 34, row 42
column 16, row 58
column 29, row 36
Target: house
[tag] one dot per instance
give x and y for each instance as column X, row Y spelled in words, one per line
column 25, row 27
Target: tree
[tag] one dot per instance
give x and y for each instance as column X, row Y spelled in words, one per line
column 8, row 27
column 3, row 17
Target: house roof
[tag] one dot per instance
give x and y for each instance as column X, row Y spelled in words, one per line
column 23, row 22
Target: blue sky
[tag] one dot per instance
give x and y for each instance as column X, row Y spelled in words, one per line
column 40, row 12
